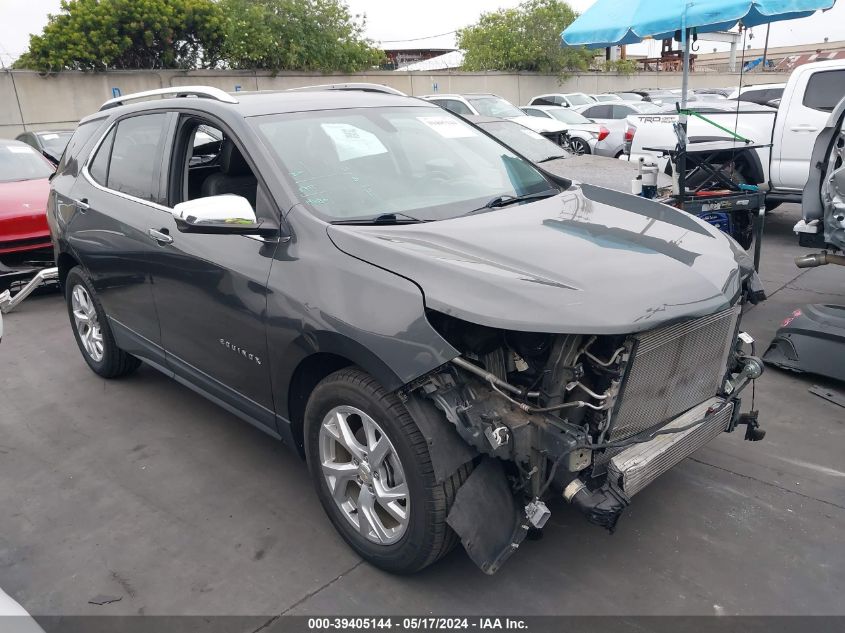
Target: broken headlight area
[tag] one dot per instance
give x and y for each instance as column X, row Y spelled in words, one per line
column 596, row 418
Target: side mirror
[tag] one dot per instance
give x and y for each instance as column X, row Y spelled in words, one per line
column 224, row 214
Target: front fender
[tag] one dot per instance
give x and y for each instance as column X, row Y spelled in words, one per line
column 322, row 300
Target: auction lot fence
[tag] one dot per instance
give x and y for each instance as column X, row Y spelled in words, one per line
column 43, row 101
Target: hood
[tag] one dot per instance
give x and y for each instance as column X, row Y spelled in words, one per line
column 823, row 199
column 588, row 261
column 23, row 209
column 593, row 128
column 540, row 124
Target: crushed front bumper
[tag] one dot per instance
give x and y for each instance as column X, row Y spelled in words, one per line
column 637, row 466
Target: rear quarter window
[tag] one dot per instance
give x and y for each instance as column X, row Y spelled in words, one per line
column 80, row 138
column 824, row 90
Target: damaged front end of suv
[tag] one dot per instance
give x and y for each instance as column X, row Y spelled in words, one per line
column 575, row 414
column 563, row 388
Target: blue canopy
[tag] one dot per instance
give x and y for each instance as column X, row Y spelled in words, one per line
column 612, row 22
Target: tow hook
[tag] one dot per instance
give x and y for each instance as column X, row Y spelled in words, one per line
column 753, row 432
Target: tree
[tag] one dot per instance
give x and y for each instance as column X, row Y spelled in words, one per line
column 524, row 38
column 296, row 35
column 128, row 34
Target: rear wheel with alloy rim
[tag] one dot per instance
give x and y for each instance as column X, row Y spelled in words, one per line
column 91, row 329
column 578, row 146
column 373, row 474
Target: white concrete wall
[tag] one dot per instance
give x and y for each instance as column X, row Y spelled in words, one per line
column 59, row 100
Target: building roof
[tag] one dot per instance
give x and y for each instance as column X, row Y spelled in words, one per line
column 448, row 61
column 774, row 53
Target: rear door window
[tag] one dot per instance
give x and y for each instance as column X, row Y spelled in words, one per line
column 825, row 90
column 136, row 156
column 598, row 112
column 621, row 111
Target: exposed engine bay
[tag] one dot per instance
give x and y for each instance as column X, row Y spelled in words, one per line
column 595, row 418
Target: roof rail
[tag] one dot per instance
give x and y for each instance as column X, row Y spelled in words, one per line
column 206, row 92
column 365, row 87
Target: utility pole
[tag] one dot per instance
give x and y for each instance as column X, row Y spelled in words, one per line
column 766, row 45
column 15, row 88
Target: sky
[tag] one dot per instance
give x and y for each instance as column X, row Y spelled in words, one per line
column 389, row 20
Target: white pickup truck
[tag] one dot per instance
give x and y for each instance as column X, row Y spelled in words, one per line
column 812, row 92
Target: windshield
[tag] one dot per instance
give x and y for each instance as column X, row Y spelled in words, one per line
column 420, row 162
column 21, row 162
column 533, row 146
column 605, row 98
column 54, row 143
column 578, row 99
column 630, row 96
column 495, row 106
column 565, row 115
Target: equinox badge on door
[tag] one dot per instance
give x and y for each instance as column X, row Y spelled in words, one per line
column 241, row 351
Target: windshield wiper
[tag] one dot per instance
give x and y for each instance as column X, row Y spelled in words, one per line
column 548, row 158
column 506, row 200
column 384, row 218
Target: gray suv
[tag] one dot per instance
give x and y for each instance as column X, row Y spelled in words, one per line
column 447, row 333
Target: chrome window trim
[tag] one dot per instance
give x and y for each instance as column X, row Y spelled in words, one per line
column 87, row 174
column 149, row 203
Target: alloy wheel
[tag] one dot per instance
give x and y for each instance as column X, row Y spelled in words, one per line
column 364, row 475
column 87, row 323
column 577, row 147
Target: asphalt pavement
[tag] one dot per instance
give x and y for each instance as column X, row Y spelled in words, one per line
column 142, row 492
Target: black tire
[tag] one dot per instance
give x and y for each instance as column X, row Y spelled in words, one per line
column 114, row 363
column 427, row 537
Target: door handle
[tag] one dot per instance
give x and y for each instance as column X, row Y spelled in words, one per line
column 82, row 204
column 804, row 128
column 161, row 237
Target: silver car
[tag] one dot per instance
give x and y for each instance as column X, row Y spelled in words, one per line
column 584, row 135
column 612, row 116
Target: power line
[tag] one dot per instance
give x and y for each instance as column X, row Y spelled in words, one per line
column 417, row 39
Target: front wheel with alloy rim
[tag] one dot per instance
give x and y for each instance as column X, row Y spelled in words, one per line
column 91, row 329
column 373, row 474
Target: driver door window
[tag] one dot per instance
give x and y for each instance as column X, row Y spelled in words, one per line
column 210, row 164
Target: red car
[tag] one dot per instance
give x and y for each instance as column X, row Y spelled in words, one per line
column 24, row 188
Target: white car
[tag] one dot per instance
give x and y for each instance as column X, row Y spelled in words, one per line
column 584, row 135
column 786, row 135
column 612, row 116
column 486, row 104
column 565, row 99
column 759, row 93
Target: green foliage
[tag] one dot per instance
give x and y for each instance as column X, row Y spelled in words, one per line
column 524, row 38
column 620, row 66
column 306, row 35
column 128, row 34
